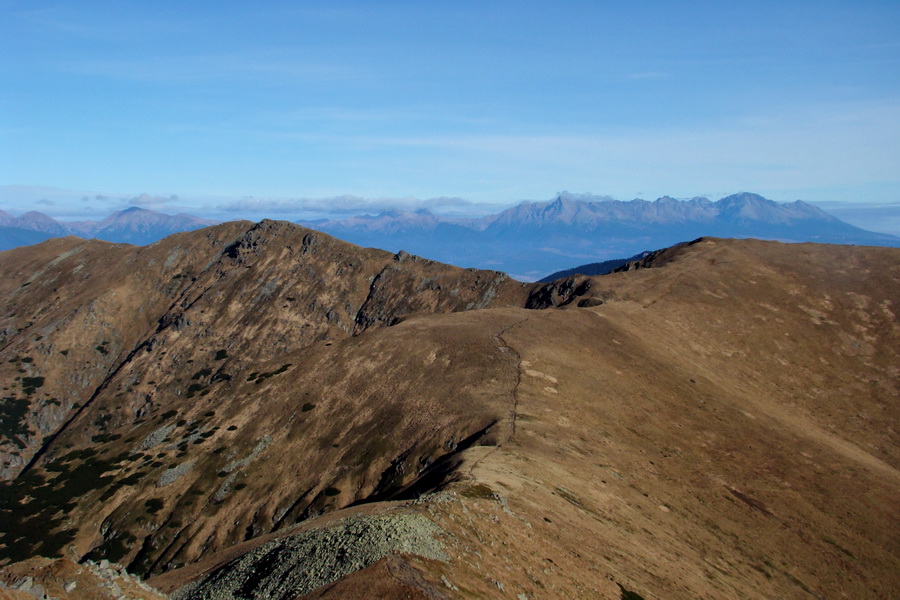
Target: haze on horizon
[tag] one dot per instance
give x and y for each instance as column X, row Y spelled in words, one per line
column 460, row 109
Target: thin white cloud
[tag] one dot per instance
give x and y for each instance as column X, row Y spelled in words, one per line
column 336, row 205
column 68, row 204
column 874, row 216
column 415, row 114
column 831, row 146
column 150, row 201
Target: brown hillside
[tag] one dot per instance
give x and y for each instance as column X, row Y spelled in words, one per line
column 77, row 312
column 722, row 425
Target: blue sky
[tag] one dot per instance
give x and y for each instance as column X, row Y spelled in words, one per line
column 234, row 108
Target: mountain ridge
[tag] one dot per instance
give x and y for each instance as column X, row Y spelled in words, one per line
column 594, row 269
column 251, row 396
column 249, row 393
column 534, row 238
column 528, row 240
column 132, row 225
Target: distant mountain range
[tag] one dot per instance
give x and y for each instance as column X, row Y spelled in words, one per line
column 134, row 225
column 536, row 238
column 527, row 241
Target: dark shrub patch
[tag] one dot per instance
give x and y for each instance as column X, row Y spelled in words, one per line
column 205, row 372
column 30, row 384
column 132, row 479
column 262, row 376
column 102, row 421
column 113, row 549
column 194, row 388
column 629, row 595
column 12, row 423
column 30, row 505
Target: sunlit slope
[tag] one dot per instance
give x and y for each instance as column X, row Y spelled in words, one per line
column 717, row 421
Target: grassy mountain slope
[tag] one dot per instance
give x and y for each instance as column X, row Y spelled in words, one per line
column 718, row 421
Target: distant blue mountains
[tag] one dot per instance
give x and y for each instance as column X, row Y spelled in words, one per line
column 534, row 239
column 133, row 225
column 528, row 241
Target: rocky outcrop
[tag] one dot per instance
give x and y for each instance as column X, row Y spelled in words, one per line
column 63, row 579
column 295, row 565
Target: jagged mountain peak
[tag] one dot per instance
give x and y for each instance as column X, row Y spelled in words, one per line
column 564, row 208
column 532, row 239
column 582, row 210
column 809, row 211
column 753, row 207
column 528, row 240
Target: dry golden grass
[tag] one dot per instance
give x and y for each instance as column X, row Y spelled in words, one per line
column 722, row 425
